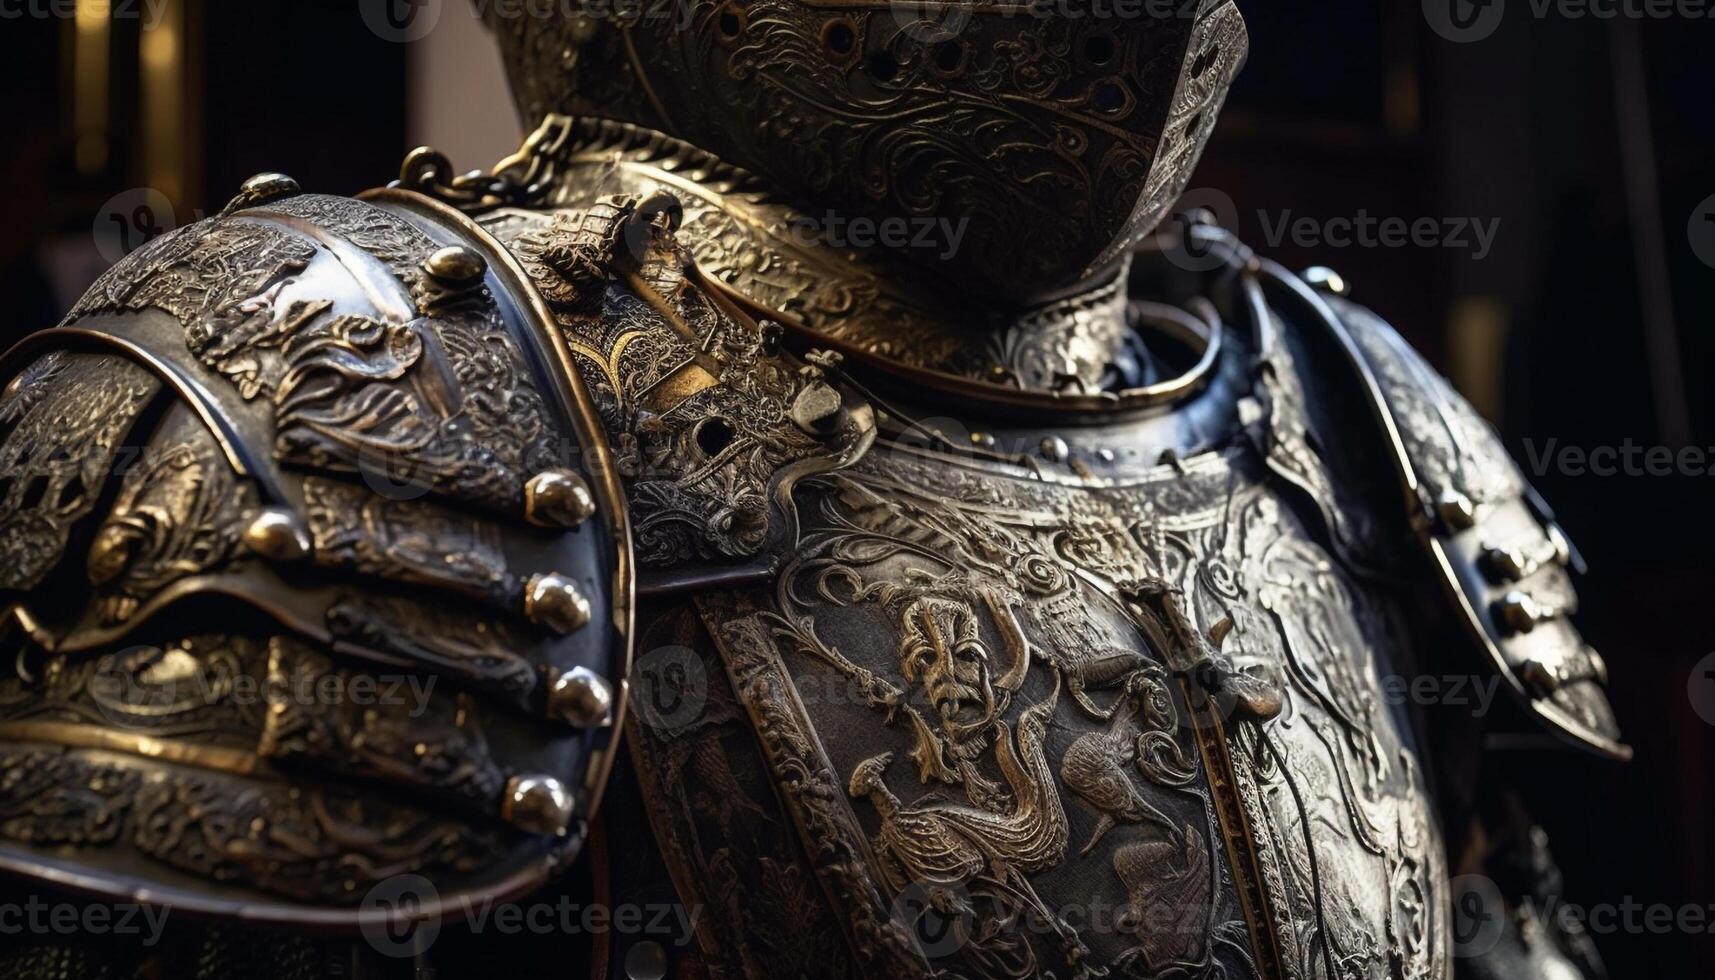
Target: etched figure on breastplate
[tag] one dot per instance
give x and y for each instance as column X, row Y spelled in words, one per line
column 1018, row 602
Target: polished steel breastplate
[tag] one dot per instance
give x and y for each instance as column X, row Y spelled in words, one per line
column 1004, row 676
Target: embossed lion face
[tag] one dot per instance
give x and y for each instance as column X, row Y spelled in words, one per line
column 943, row 655
column 1019, row 146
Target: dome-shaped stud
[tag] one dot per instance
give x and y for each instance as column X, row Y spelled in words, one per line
column 261, row 189
column 456, row 266
column 538, row 805
column 646, row 961
column 278, row 535
column 554, row 602
column 1456, row 511
column 557, row 498
column 1521, row 613
column 1539, row 679
column 1327, row 280
column 1055, row 450
column 581, row 697
column 1507, row 565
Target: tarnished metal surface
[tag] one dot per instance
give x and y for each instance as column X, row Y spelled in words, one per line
column 1034, row 609
column 1063, row 138
column 315, row 637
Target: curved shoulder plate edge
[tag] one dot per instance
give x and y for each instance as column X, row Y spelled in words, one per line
column 1451, row 528
column 573, row 405
column 548, row 344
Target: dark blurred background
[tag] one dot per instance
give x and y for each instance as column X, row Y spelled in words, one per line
column 1587, row 324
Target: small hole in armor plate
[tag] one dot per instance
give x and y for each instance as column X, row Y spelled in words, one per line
column 949, row 57
column 71, row 493
column 714, row 436
column 1099, row 50
column 34, row 493
column 883, row 67
column 1108, row 97
column 1204, row 60
column 839, row 37
column 731, row 24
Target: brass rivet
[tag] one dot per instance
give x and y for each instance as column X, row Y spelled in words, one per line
column 554, row 602
column 1539, row 678
column 1327, row 280
column 581, row 697
column 557, row 498
column 1506, row 564
column 1457, row 511
column 1521, row 613
column 646, row 961
column 262, row 189
column 279, row 535
column 1054, row 449
column 982, row 440
column 456, row 265
column 538, row 805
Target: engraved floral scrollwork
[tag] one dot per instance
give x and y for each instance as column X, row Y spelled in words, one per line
column 450, row 639
column 698, row 401
column 918, row 586
column 405, row 541
column 435, row 745
column 303, row 843
column 441, row 399
column 48, row 796
column 179, row 512
column 61, row 426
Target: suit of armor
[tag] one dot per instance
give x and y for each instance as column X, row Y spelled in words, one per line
column 1049, row 598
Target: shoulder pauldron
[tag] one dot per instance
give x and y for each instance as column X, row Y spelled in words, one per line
column 315, row 570
column 1506, row 563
